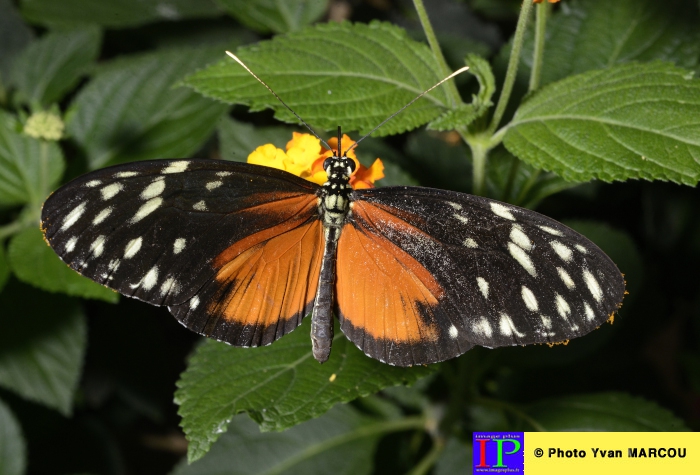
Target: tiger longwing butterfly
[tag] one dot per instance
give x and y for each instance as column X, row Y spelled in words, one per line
column 241, row 253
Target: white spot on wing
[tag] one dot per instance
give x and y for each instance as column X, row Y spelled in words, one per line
column 520, row 238
column 200, row 206
column 125, row 174
column 102, row 215
column 93, row 183
column 170, row 287
column 483, row 286
column 456, row 206
column 98, row 245
column 507, row 326
column 469, row 242
column 212, row 185
column 147, row 208
column 70, row 245
column 179, row 245
column 132, row 247
column 566, row 278
column 461, row 218
column 483, row 327
column 150, row 279
column 154, row 189
column 549, row 230
column 176, row 167
column 223, row 173
column 523, row 259
column 453, row 332
column 593, row 285
column 590, row 314
column 113, row 265
column 529, row 299
column 562, row 307
column 73, row 216
column 581, row 249
column 562, row 251
column 502, row 211
column 110, row 191
column 194, row 302
column 547, row 322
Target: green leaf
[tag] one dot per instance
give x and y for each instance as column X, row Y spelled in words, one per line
column 35, row 263
column 439, row 160
column 461, row 116
column 29, row 168
column 42, row 344
column 237, row 139
column 595, row 34
column 280, row 385
column 628, row 121
column 13, row 450
column 331, row 74
column 130, row 111
column 14, row 36
column 4, row 266
column 121, row 14
column 514, row 181
column 274, row 16
column 50, row 67
column 455, row 459
column 613, row 412
column 315, row 447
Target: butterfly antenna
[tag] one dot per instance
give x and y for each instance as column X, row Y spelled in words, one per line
column 459, row 71
column 279, row 99
column 339, row 139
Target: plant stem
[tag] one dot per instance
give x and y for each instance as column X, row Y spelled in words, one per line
column 452, row 92
column 512, row 71
column 538, row 53
column 479, row 154
column 430, row 458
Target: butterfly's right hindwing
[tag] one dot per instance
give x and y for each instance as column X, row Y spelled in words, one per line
column 156, row 231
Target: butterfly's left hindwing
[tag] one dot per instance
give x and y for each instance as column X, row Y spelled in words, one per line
column 192, row 235
column 466, row 271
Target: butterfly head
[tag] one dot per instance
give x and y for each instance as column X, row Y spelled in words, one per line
column 339, row 168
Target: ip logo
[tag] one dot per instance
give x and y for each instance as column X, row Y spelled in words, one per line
column 498, row 452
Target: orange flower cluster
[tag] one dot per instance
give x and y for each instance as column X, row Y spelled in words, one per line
column 540, row 1
column 304, row 157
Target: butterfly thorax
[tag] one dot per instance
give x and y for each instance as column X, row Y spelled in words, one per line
column 334, row 203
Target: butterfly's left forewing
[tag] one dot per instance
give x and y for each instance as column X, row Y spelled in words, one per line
column 194, row 235
column 498, row 275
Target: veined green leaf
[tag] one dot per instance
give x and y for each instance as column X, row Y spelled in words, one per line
column 275, row 16
column 314, row 447
column 237, row 139
column 614, row 412
column 13, row 450
column 628, row 121
column 130, row 110
column 35, row 263
column 353, row 75
column 280, row 385
column 29, row 168
column 52, row 65
column 41, row 345
column 121, row 14
column 595, row 34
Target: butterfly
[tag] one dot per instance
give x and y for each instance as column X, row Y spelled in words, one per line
column 242, row 253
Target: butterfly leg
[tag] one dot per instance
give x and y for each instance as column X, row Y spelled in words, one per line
column 322, row 317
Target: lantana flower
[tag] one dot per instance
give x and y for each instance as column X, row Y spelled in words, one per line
column 540, row 1
column 304, row 157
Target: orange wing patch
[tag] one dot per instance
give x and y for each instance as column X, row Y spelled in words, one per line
column 381, row 289
column 271, row 276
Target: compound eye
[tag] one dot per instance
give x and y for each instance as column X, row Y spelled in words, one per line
column 327, row 163
column 351, row 164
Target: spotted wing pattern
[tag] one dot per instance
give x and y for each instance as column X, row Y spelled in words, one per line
column 195, row 235
column 465, row 271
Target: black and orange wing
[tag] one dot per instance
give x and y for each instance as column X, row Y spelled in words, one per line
column 425, row 274
column 232, row 249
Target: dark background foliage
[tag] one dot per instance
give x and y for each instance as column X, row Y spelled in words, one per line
column 87, row 384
